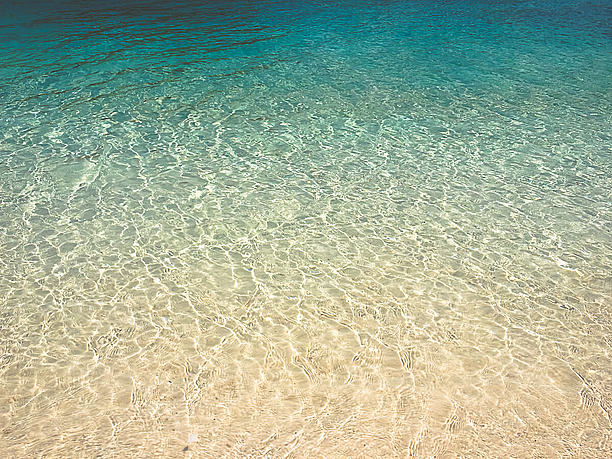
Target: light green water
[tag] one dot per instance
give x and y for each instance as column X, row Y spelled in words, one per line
column 307, row 230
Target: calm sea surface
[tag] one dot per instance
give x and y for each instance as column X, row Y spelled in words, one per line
column 306, row 229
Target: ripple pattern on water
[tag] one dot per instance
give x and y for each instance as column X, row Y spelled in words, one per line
column 315, row 229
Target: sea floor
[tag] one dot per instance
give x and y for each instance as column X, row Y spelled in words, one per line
column 268, row 229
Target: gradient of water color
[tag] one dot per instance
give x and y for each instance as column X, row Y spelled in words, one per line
column 306, row 229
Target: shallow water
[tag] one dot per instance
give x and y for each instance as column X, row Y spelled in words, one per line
column 306, row 229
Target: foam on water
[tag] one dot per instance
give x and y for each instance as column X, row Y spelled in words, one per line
column 314, row 229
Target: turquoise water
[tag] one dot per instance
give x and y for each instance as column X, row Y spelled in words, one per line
column 313, row 228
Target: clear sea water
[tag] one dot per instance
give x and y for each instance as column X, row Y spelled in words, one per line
column 306, row 229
